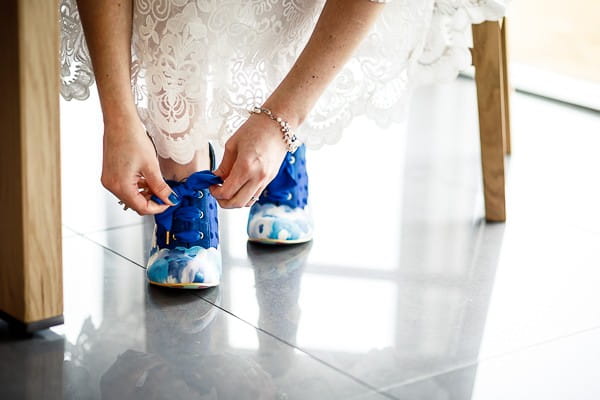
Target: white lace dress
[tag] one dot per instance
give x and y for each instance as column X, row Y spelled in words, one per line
column 199, row 65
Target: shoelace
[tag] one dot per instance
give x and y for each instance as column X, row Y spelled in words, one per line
column 185, row 210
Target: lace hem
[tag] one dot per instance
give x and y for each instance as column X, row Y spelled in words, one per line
column 198, row 66
column 446, row 50
column 76, row 67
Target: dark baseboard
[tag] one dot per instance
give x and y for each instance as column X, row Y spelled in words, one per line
column 18, row 326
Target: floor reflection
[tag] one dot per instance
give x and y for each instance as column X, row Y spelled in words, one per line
column 189, row 355
column 278, row 276
column 31, row 367
column 152, row 343
column 394, row 321
column 386, row 328
column 183, row 359
column 408, row 295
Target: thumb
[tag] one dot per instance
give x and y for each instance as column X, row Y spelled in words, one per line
column 224, row 169
column 159, row 187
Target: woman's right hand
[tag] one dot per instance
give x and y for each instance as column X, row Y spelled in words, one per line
column 130, row 168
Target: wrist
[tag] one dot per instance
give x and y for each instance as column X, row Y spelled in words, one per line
column 288, row 138
column 292, row 113
column 118, row 119
column 118, row 108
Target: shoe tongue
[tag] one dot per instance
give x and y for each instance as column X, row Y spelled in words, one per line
column 211, row 156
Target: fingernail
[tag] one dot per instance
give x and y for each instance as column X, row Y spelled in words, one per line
column 173, row 198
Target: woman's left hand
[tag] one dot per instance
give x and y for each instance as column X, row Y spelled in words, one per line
column 251, row 160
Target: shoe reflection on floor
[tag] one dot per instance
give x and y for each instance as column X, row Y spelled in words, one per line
column 183, row 360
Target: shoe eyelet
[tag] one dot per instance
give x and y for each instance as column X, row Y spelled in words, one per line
column 289, row 196
column 292, row 159
column 201, row 235
column 201, row 214
column 200, row 194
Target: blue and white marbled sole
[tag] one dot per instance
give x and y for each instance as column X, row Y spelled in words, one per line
column 185, row 268
column 272, row 224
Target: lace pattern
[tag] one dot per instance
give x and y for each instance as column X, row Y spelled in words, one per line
column 197, row 66
column 75, row 64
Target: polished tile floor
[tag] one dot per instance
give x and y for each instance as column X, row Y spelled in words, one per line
column 405, row 292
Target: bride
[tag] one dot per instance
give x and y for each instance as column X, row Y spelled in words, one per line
column 264, row 78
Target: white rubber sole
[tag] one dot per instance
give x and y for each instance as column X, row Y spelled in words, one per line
column 278, row 241
column 193, row 286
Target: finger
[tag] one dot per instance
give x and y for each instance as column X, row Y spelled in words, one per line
column 159, row 187
column 233, row 183
column 147, row 195
column 229, row 156
column 139, row 203
column 243, row 196
column 255, row 197
column 142, row 187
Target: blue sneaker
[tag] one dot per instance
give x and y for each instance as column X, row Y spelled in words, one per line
column 185, row 251
column 281, row 214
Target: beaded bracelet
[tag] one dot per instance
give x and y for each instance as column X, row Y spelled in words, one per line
column 289, row 138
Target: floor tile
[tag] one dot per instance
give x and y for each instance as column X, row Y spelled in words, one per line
column 130, row 241
column 404, row 281
column 66, row 232
column 413, row 282
column 124, row 339
column 567, row 368
column 452, row 282
column 443, row 306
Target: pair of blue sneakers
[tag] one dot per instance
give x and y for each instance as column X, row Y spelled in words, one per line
column 185, row 250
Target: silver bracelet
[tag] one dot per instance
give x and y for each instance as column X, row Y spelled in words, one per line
column 291, row 141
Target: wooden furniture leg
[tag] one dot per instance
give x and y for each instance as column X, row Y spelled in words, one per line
column 505, row 87
column 30, row 238
column 487, row 59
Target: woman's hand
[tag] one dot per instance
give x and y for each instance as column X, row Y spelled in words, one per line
column 254, row 153
column 251, row 160
column 130, row 168
column 129, row 163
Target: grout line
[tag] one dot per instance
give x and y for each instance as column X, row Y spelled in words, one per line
column 346, row 374
column 112, row 228
column 352, row 377
column 83, row 236
column 491, row 358
column 69, row 228
column 356, row 379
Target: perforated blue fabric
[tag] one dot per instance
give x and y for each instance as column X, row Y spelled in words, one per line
column 290, row 186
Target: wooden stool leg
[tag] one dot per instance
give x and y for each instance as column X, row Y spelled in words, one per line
column 487, row 59
column 30, row 238
column 505, row 88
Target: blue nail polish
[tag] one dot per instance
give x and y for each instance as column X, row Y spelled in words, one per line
column 173, row 198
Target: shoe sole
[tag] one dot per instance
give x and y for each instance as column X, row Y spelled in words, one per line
column 278, row 241
column 184, row 285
